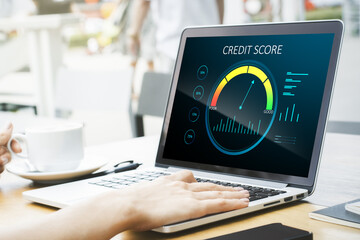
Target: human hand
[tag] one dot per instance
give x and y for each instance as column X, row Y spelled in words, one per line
column 179, row 197
column 5, row 155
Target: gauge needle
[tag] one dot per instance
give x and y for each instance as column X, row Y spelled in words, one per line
column 252, row 83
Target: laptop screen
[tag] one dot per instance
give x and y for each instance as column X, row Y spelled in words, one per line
column 249, row 102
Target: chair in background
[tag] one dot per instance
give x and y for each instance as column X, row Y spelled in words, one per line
column 152, row 100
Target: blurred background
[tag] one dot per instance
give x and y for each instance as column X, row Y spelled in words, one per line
column 108, row 63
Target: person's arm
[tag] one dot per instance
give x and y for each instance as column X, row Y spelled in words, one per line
column 144, row 206
column 221, row 7
column 140, row 10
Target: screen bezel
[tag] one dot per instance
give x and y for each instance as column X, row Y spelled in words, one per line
column 310, row 27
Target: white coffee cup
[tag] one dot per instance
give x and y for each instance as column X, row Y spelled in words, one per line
column 51, row 148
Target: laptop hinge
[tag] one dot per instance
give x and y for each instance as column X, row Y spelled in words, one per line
column 231, row 178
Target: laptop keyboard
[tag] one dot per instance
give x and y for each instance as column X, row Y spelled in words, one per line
column 117, row 182
column 256, row 193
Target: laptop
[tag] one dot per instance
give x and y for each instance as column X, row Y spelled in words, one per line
column 248, row 107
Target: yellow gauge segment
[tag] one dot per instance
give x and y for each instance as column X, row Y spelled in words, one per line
column 237, row 71
column 257, row 72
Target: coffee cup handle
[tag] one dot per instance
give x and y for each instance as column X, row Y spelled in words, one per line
column 19, row 138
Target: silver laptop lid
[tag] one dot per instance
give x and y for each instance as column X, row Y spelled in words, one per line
column 252, row 100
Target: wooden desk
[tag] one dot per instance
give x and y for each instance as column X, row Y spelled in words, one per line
column 338, row 148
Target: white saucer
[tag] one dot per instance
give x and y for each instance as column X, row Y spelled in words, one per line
column 89, row 164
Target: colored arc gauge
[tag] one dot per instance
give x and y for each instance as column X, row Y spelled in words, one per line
column 241, row 108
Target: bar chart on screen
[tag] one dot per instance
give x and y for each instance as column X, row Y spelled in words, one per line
column 289, row 115
column 232, row 126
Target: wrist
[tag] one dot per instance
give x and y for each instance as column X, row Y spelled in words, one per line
column 110, row 214
column 120, row 211
column 132, row 211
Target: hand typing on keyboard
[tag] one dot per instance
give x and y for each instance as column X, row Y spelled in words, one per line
column 142, row 206
column 179, row 197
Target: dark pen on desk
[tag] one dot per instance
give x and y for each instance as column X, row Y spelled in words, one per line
column 116, row 169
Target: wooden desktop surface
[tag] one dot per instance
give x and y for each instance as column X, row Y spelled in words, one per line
column 339, row 181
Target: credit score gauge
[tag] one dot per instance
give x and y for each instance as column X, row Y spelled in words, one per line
column 241, row 108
